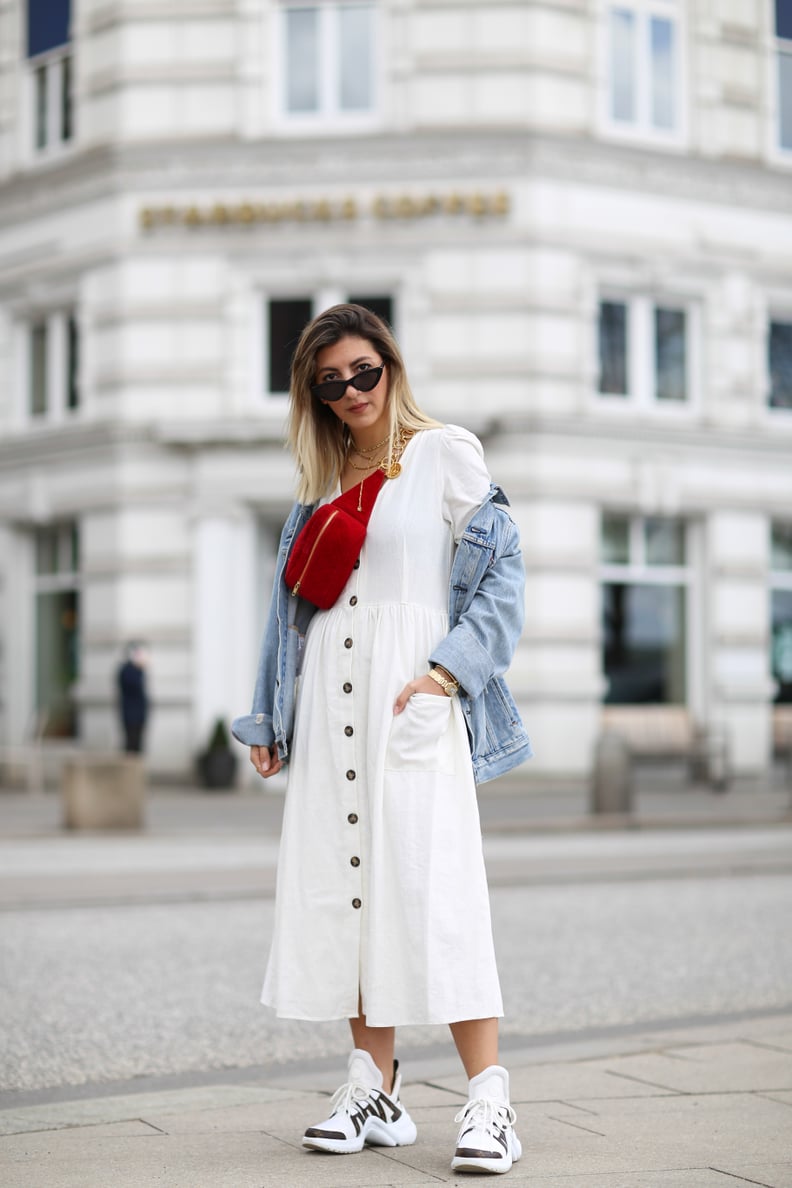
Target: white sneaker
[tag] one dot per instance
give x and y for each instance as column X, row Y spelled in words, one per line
column 487, row 1142
column 361, row 1113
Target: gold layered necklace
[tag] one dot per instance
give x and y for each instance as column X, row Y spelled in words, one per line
column 370, row 449
column 391, row 469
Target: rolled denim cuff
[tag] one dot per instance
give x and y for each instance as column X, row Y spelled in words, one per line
column 461, row 654
column 254, row 730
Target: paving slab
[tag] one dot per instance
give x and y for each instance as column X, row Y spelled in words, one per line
column 579, row 1081
column 61, row 1115
column 85, row 1160
column 709, row 1068
column 782, row 1095
column 771, row 1175
column 737, row 1125
column 690, row 1177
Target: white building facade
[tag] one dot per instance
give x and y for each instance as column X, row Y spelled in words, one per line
column 577, row 215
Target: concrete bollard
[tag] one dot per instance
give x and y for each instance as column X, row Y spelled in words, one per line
column 611, row 782
column 103, row 792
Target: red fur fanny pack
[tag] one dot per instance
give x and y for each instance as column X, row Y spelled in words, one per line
column 325, row 551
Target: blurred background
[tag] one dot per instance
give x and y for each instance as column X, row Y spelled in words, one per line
column 576, row 215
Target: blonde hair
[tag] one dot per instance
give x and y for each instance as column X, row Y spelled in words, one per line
column 317, row 438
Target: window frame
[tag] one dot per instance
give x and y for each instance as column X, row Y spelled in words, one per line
column 641, row 128
column 329, row 118
column 777, row 309
column 778, row 579
column 776, row 46
column 64, row 579
column 638, row 571
column 58, row 409
column 53, row 62
column 641, row 363
column 321, row 299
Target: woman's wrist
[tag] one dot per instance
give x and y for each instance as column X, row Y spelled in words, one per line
column 442, row 677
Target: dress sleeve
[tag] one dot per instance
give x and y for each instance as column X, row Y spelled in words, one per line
column 466, row 480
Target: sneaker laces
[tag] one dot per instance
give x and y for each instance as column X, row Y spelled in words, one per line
column 348, row 1096
column 486, row 1113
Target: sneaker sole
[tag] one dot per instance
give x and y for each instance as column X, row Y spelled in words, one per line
column 496, row 1167
column 400, row 1134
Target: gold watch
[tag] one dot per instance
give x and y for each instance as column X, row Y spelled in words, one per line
column 446, row 683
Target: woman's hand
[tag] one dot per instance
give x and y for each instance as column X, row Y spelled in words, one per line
column 266, row 762
column 423, row 684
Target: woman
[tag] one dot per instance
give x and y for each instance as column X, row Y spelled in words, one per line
column 382, row 908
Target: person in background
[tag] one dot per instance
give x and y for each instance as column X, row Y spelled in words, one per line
column 133, row 699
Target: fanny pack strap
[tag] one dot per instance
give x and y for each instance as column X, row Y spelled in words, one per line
column 359, row 500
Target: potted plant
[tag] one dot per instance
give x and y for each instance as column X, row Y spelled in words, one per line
column 217, row 764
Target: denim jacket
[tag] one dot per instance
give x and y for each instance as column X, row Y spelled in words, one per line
column 486, row 613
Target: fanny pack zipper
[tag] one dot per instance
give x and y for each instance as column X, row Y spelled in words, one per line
column 324, row 528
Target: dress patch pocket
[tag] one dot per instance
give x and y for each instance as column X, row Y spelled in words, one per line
column 421, row 736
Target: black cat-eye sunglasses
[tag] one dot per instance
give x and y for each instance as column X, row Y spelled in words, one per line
column 333, row 390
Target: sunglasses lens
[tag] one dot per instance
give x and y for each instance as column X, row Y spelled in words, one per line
column 333, row 390
column 364, row 381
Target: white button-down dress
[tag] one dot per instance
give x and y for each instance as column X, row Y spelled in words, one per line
column 381, row 886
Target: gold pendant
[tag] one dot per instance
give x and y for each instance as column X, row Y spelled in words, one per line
column 393, row 471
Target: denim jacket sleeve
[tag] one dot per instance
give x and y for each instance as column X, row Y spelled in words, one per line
column 259, row 728
column 486, row 599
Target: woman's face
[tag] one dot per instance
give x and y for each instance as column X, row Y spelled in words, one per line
column 366, row 413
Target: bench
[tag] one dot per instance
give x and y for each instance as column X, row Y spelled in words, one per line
column 660, row 732
column 782, row 736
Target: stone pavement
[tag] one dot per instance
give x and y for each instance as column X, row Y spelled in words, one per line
column 697, row 1106
column 696, row 1103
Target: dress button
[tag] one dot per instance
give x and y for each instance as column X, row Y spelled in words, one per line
column 348, row 731
column 353, row 600
column 347, row 687
column 347, row 643
column 356, row 903
column 354, row 861
column 352, row 818
column 350, row 775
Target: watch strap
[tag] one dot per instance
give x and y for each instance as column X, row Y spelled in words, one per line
column 449, row 686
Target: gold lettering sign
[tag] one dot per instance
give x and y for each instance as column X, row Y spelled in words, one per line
column 393, row 207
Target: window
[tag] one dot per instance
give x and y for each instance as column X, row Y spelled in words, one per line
column 72, row 357
column 57, row 597
column 779, row 359
column 49, row 57
column 381, row 306
column 644, row 73
column 644, row 352
column 53, row 385
column 644, row 579
column 285, row 320
column 38, row 369
column 328, row 62
column 783, row 31
column 781, row 610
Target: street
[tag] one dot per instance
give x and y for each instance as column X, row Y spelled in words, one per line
column 143, row 956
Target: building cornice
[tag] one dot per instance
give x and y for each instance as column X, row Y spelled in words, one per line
column 64, row 443
column 221, row 166
column 707, row 441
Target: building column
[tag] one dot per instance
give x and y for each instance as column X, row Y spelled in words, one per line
column 225, row 622
column 556, row 674
column 17, row 624
column 740, row 688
